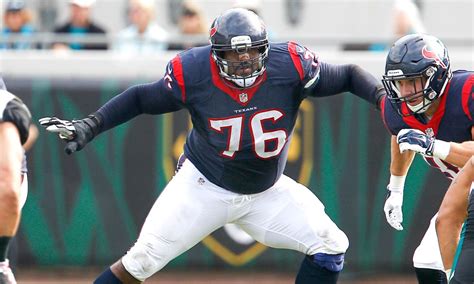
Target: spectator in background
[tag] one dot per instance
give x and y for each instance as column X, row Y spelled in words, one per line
column 256, row 7
column 192, row 25
column 406, row 19
column 143, row 35
column 80, row 25
column 17, row 21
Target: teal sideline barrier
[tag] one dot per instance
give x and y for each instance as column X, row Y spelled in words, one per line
column 87, row 209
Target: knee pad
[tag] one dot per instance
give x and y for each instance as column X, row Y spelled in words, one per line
column 332, row 262
column 141, row 263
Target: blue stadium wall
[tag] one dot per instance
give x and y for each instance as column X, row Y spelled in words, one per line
column 87, row 209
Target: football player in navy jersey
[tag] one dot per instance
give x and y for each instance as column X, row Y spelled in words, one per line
column 15, row 120
column 243, row 94
column 428, row 110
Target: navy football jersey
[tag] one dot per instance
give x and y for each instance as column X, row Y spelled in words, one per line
column 240, row 138
column 452, row 121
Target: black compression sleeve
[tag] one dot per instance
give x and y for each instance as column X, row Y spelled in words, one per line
column 146, row 98
column 335, row 79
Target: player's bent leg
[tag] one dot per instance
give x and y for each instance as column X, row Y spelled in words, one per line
column 188, row 209
column 290, row 216
column 427, row 258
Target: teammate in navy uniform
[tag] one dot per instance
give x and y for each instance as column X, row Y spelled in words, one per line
column 243, row 95
column 458, row 207
column 15, row 120
column 428, row 110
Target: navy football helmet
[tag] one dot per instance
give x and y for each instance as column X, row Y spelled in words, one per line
column 239, row 30
column 412, row 57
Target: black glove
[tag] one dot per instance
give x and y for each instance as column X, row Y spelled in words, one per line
column 77, row 133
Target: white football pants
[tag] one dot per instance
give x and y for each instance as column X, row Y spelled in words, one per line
column 428, row 254
column 287, row 215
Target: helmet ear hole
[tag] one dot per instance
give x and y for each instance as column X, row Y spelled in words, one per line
column 430, row 71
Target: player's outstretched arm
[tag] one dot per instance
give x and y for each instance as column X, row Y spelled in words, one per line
column 152, row 98
column 399, row 165
column 335, row 79
column 453, row 213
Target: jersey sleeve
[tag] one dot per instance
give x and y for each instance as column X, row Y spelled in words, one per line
column 174, row 79
column 391, row 118
column 15, row 111
column 385, row 114
column 306, row 63
column 467, row 95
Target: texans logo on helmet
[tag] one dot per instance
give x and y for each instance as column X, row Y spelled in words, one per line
column 432, row 54
column 213, row 31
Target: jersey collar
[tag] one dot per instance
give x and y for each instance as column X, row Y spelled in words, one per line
column 435, row 120
column 243, row 96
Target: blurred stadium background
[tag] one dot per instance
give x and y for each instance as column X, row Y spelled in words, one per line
column 83, row 212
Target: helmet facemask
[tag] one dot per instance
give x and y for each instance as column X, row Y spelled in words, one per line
column 430, row 78
column 235, row 71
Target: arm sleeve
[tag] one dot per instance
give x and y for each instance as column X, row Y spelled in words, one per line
column 163, row 96
column 335, row 79
column 153, row 98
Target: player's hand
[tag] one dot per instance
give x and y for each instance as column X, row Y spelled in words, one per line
column 64, row 128
column 415, row 140
column 393, row 209
column 77, row 133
